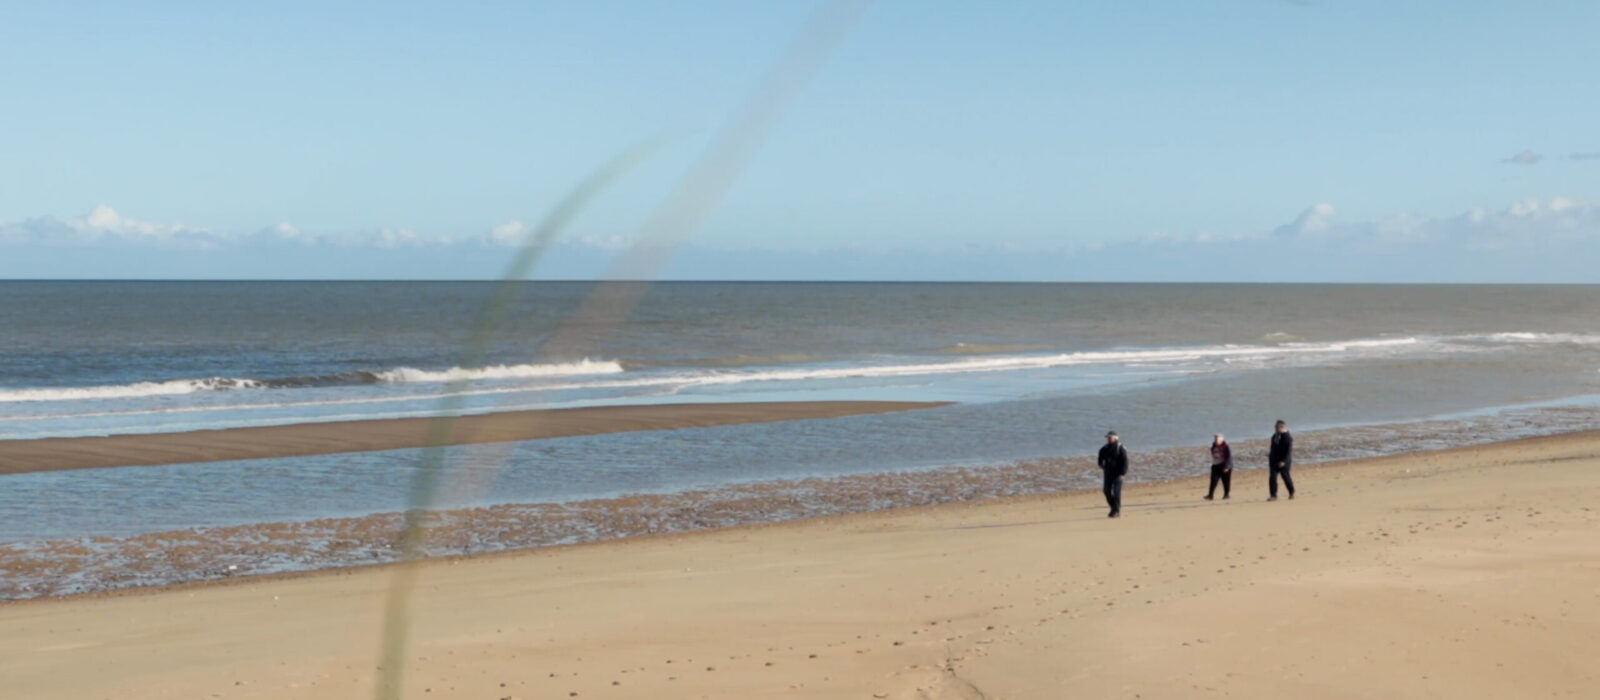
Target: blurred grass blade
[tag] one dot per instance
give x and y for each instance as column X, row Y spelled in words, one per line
column 425, row 486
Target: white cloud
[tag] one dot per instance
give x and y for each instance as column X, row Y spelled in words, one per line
column 283, row 232
column 509, row 234
column 514, row 233
column 1161, row 238
column 1526, row 157
column 612, row 242
column 1316, row 219
column 105, row 226
column 1529, row 221
column 1553, row 220
column 398, row 238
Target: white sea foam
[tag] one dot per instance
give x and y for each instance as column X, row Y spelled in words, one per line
column 126, row 391
column 1195, row 357
column 399, row 375
column 456, row 374
column 1529, row 338
column 592, row 375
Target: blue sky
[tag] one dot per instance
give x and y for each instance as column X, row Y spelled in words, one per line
column 1238, row 141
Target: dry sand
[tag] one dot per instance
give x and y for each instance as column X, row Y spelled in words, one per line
column 1473, row 573
column 48, row 454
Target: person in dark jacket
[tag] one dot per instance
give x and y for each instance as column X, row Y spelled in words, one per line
column 1221, row 467
column 1280, row 457
column 1114, row 465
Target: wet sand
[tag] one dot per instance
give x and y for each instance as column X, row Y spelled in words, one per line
column 48, row 454
column 1471, row 573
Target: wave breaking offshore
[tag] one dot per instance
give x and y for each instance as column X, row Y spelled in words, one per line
column 398, row 375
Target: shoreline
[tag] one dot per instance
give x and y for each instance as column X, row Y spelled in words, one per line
column 305, row 439
column 470, row 523
column 1445, row 573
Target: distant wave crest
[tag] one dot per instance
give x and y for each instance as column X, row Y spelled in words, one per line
column 399, row 375
column 124, row 391
column 1544, row 338
column 1195, row 358
column 989, row 349
column 455, row 374
column 725, row 361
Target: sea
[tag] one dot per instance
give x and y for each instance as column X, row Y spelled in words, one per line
column 1031, row 377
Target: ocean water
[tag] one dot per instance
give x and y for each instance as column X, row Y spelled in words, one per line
column 93, row 358
column 1036, row 373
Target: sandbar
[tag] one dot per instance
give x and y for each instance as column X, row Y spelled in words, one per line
column 50, row 454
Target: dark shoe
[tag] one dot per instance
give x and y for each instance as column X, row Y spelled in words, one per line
column 1291, row 496
column 1208, row 496
column 1225, row 497
column 1112, row 514
column 1272, row 498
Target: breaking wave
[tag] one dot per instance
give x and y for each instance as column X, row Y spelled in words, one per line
column 1544, row 338
column 398, row 375
column 456, row 374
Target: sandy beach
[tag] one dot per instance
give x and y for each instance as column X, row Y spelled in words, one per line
column 301, row 439
column 1467, row 573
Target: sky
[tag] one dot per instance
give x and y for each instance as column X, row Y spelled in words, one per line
column 1249, row 141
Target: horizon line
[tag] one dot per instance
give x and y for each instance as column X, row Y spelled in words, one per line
column 488, row 280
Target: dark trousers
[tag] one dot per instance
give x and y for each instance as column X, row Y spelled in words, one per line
column 1221, row 472
column 1113, row 489
column 1272, row 479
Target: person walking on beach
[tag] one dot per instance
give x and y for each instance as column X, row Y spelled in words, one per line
column 1221, row 467
column 1114, row 464
column 1280, row 457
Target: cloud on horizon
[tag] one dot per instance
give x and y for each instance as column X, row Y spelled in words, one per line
column 1530, row 221
column 104, row 226
column 1526, row 157
column 1531, row 240
column 1314, row 220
